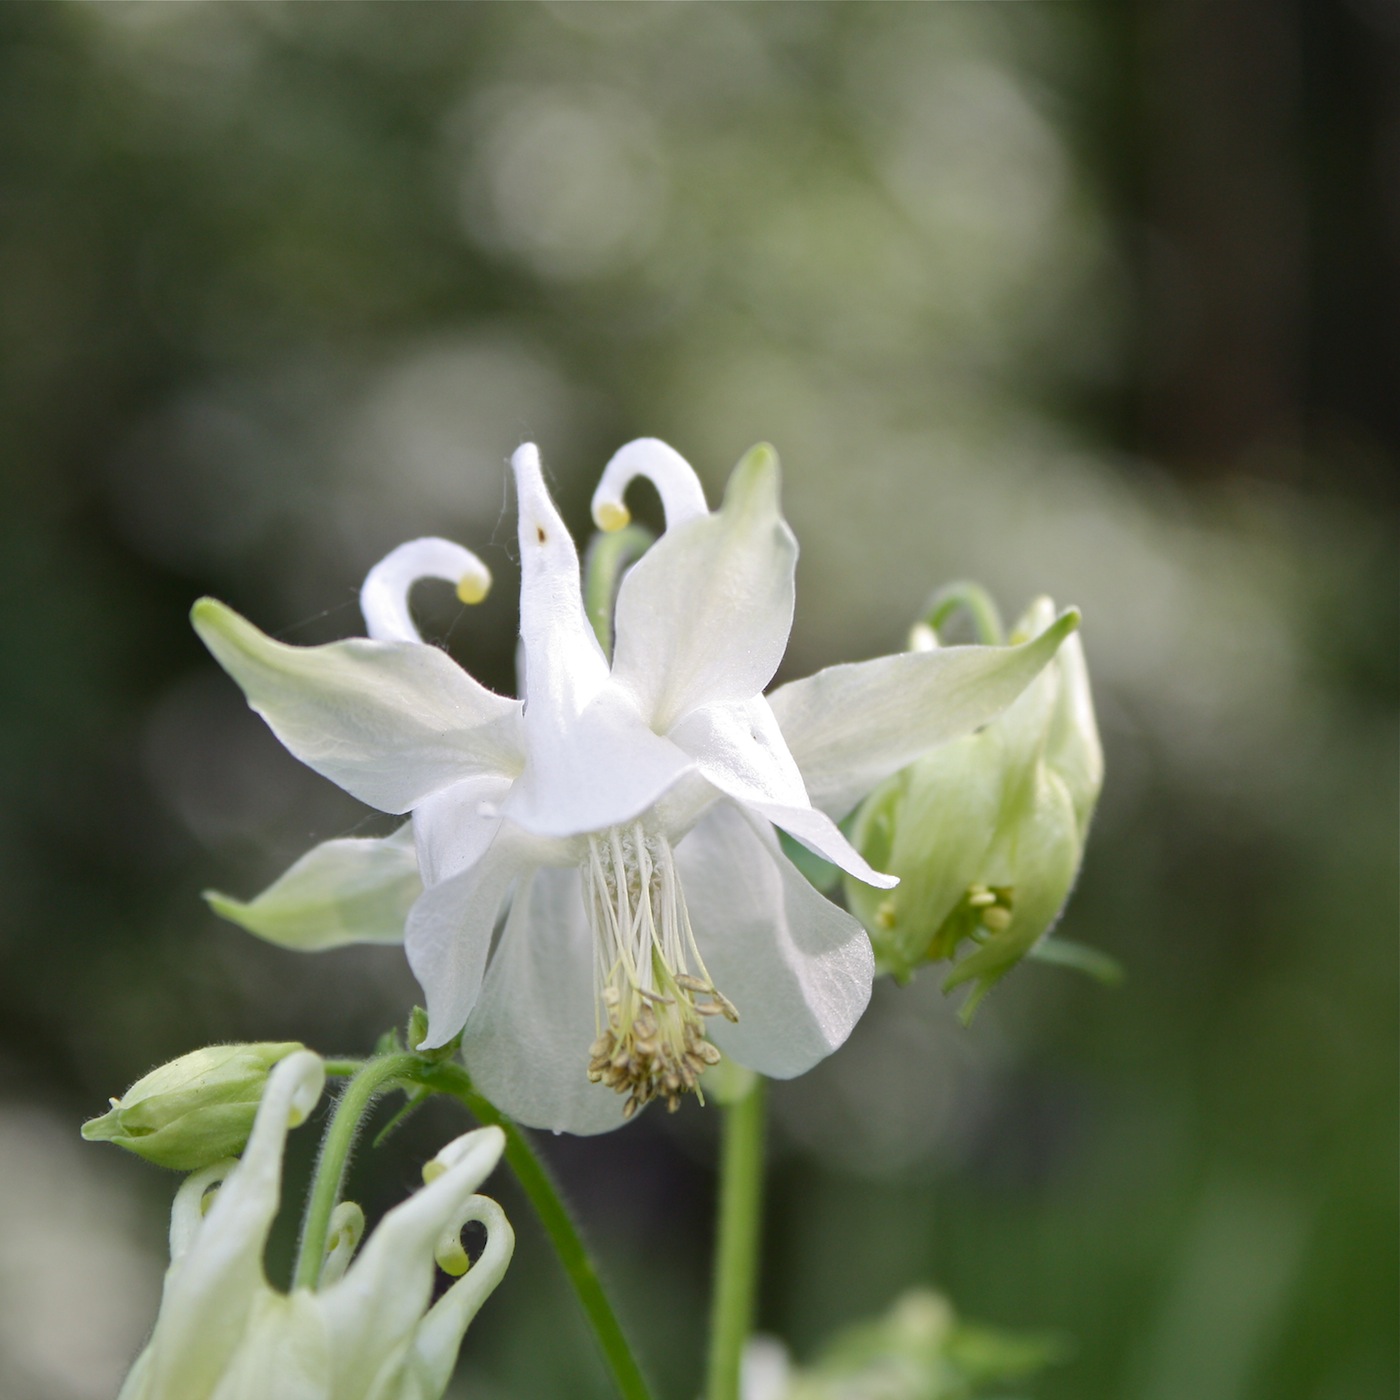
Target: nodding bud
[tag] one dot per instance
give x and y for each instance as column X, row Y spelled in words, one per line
column 194, row 1111
column 987, row 832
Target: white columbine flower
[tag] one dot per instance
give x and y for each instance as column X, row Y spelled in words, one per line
column 623, row 814
column 367, row 1331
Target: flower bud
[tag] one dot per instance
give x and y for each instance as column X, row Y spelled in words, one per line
column 986, row 833
column 194, row 1111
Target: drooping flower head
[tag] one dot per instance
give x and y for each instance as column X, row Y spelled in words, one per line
column 367, row 1332
column 622, row 813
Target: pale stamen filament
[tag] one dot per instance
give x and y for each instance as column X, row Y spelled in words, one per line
column 653, row 990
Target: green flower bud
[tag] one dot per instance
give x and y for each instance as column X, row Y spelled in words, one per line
column 986, row 833
column 194, row 1111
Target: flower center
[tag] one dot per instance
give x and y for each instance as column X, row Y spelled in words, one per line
column 652, row 987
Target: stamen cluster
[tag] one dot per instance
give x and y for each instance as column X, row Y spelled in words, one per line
column 652, row 1006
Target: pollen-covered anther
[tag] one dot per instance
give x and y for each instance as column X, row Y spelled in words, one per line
column 992, row 906
column 652, row 1007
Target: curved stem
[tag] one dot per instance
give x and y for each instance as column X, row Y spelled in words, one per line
column 607, row 558
column 976, row 601
column 341, row 1132
column 736, row 1250
column 534, row 1179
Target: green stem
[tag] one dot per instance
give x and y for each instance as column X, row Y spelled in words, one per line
column 976, row 601
column 1063, row 953
column 608, row 556
column 343, row 1069
column 451, row 1079
column 344, row 1127
column 736, row 1250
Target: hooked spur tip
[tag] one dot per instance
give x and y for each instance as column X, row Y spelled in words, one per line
column 682, row 497
column 611, row 516
column 473, row 586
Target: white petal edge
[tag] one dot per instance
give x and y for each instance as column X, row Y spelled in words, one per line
column 526, row 1044
column 453, row 827
column 592, row 760
column 849, row 727
column 815, row 830
column 797, row 968
column 390, row 722
column 215, row 1280
column 740, row 750
column 380, row 1302
column 703, row 617
column 604, row 767
column 449, row 933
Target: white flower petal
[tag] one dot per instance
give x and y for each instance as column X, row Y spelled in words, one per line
column 449, row 935
column 815, row 830
column 390, row 722
column 591, row 759
column 703, row 617
column 453, row 827
column 605, row 767
column 849, row 727
column 212, row 1285
column 284, row 1353
column 351, row 890
column 740, row 749
column 797, row 968
column 384, row 597
column 526, row 1044
column 373, row 1312
column 563, row 660
column 440, row 1333
column 682, row 496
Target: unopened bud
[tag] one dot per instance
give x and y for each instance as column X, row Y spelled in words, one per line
column 194, row 1111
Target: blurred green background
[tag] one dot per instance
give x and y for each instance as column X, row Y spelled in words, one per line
column 1086, row 299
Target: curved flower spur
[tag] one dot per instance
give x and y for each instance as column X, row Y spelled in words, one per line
column 623, row 814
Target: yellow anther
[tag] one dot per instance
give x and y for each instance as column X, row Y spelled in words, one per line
column 997, row 919
column 885, row 914
column 472, row 588
column 610, row 516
